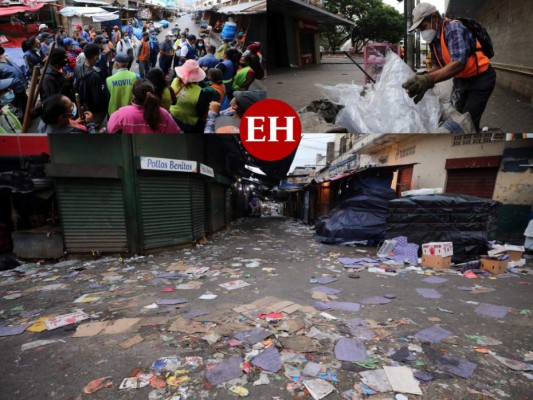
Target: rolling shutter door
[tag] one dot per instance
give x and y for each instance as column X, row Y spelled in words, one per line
column 472, row 181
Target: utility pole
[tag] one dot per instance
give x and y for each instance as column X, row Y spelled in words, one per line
column 410, row 45
column 417, row 46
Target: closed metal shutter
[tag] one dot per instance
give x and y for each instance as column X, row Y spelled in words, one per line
column 92, row 215
column 198, row 208
column 405, row 177
column 472, row 181
column 217, row 207
column 166, row 213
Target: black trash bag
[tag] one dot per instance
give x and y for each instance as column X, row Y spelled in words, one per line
column 468, row 222
column 362, row 216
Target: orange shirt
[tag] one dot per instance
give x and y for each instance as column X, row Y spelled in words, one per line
column 145, row 51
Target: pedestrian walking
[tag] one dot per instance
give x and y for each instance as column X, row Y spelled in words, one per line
column 119, row 86
column 154, row 48
column 145, row 114
column 116, row 36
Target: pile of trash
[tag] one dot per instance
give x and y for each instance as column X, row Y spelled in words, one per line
column 194, row 324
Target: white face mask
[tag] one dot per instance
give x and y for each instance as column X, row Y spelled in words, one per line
column 428, row 35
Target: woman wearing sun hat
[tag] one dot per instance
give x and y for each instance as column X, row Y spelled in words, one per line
column 192, row 103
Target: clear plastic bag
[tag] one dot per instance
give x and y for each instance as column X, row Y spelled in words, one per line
column 385, row 107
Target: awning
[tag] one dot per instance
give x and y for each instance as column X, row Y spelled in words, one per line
column 96, row 2
column 17, row 9
column 253, row 7
column 96, row 13
column 307, row 11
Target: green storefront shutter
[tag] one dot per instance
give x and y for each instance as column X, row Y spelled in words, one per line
column 92, row 215
column 166, row 213
column 198, row 208
column 217, row 206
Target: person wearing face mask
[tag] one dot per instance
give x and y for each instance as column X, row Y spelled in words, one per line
column 43, row 28
column 9, row 123
column 60, row 36
column 125, row 47
column 32, row 53
column 119, row 86
column 45, row 43
column 188, row 50
column 245, row 74
column 116, row 35
column 154, row 47
column 9, row 70
column 200, row 48
column 455, row 53
column 89, row 85
column 70, row 46
column 143, row 58
column 166, row 54
column 58, row 117
column 56, row 79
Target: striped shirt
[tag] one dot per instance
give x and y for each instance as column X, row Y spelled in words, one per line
column 461, row 43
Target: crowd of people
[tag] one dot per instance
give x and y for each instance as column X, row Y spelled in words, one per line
column 184, row 83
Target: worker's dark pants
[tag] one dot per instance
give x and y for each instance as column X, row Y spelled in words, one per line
column 472, row 94
column 165, row 63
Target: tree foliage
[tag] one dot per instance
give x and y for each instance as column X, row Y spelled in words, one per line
column 374, row 21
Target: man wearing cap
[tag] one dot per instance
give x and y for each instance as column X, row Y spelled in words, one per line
column 81, row 32
column 229, row 121
column 69, row 46
column 43, row 28
column 166, row 54
column 188, row 52
column 154, row 48
column 119, row 86
column 143, row 58
column 9, row 123
column 45, row 43
column 455, row 53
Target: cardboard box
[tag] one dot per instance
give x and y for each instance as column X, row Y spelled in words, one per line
column 436, row 262
column 443, row 249
column 493, row 266
column 514, row 252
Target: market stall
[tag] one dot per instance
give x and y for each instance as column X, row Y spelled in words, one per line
column 95, row 16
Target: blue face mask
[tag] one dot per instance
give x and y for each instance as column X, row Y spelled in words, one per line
column 7, row 97
column 74, row 111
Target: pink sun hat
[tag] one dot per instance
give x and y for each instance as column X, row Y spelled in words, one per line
column 190, row 72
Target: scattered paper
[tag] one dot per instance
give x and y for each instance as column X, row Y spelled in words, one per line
column 377, row 380
column 252, row 336
column 66, row 319
column 352, row 350
column 87, row 298
column 225, row 371
column 319, row 388
column 239, row 284
column 131, row 342
column 448, row 363
column 375, row 300
column 433, row 334
column 324, row 280
column 435, row 280
column 428, row 293
column 402, row 380
column 491, row 310
column 512, row 364
column 326, row 289
column 13, row 330
column 208, row 296
column 269, row 360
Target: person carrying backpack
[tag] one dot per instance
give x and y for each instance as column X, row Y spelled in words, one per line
column 460, row 49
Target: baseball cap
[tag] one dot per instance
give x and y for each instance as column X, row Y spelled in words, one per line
column 420, row 12
column 43, row 26
column 79, row 27
column 121, row 58
column 68, row 41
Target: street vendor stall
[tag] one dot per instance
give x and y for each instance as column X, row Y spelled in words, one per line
column 94, row 16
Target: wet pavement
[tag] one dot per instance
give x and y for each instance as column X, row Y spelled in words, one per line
column 263, row 310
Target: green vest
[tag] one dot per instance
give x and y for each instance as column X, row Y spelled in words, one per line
column 240, row 79
column 166, row 101
column 9, row 123
column 222, row 49
column 185, row 108
column 120, row 87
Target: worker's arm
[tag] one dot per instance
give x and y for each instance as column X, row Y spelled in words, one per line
column 449, row 71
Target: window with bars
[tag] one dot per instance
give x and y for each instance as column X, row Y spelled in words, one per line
column 342, row 146
column 474, row 138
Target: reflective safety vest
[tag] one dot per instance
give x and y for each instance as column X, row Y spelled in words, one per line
column 240, row 78
column 185, row 108
column 166, row 100
column 9, row 123
column 221, row 89
column 120, row 87
column 476, row 63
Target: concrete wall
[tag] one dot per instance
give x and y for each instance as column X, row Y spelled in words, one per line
column 509, row 25
column 431, row 152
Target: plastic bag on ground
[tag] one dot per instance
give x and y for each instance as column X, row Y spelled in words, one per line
column 385, row 107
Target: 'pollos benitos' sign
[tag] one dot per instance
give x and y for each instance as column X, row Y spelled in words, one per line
column 167, row 164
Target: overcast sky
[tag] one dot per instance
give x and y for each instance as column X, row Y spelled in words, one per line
column 310, row 145
column 400, row 6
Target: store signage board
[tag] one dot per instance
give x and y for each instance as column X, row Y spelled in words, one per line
column 208, row 171
column 167, row 164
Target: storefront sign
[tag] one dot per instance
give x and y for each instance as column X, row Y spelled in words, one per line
column 167, row 164
column 307, row 26
column 208, row 171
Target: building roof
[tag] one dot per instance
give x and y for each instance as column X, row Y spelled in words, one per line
column 309, row 11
